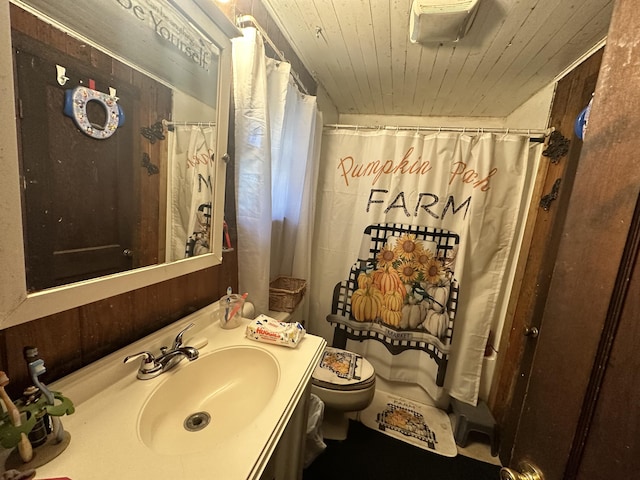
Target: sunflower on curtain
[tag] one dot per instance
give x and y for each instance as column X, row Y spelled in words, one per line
column 277, row 132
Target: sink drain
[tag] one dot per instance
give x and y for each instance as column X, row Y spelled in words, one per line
column 197, row 421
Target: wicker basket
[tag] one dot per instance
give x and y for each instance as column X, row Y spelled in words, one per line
column 285, row 293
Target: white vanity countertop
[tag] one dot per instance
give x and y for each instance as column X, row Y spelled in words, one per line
column 105, row 443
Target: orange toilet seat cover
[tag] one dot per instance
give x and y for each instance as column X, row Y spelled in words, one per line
column 341, row 367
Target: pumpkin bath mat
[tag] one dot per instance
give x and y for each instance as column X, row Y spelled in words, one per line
column 421, row 425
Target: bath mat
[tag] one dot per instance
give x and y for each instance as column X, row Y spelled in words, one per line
column 421, row 425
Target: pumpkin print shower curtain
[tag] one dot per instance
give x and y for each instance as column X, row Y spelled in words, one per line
column 414, row 246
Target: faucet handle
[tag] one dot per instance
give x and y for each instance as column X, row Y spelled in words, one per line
column 177, row 343
column 148, row 362
column 149, row 367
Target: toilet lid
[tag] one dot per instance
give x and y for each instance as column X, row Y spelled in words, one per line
column 342, row 370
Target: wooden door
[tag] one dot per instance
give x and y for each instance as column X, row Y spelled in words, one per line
column 545, row 221
column 580, row 415
column 87, row 200
column 78, row 190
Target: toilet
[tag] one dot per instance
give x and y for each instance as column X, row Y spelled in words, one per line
column 345, row 382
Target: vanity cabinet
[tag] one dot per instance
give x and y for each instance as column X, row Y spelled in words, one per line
column 287, row 461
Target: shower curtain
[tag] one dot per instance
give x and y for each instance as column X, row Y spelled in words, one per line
column 190, row 185
column 414, row 241
column 277, row 136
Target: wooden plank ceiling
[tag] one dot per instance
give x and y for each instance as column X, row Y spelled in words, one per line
column 359, row 51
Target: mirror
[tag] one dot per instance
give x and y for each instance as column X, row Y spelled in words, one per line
column 129, row 99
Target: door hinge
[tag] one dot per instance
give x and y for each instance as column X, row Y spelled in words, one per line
column 20, row 110
column 545, row 202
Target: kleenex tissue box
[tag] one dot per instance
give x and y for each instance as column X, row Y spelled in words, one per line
column 269, row 330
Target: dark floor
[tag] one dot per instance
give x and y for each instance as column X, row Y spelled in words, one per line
column 370, row 455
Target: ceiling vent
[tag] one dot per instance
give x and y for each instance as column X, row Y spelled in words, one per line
column 441, row 20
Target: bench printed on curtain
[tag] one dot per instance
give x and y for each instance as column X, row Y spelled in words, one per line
column 401, row 292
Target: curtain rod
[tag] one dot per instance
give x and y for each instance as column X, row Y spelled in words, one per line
column 169, row 125
column 242, row 19
column 532, row 133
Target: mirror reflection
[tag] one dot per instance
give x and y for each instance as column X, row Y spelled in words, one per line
column 116, row 136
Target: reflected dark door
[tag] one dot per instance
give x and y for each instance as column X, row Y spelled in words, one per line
column 78, row 190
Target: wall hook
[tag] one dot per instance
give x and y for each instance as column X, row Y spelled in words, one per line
column 61, row 75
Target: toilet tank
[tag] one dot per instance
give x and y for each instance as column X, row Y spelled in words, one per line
column 295, row 316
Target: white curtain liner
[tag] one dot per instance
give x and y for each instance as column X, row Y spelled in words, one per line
column 241, row 20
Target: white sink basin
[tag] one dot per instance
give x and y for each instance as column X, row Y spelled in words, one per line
column 204, row 402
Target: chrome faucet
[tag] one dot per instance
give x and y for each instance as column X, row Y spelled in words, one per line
column 151, row 367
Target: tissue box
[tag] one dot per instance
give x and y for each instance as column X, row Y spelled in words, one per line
column 269, row 330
